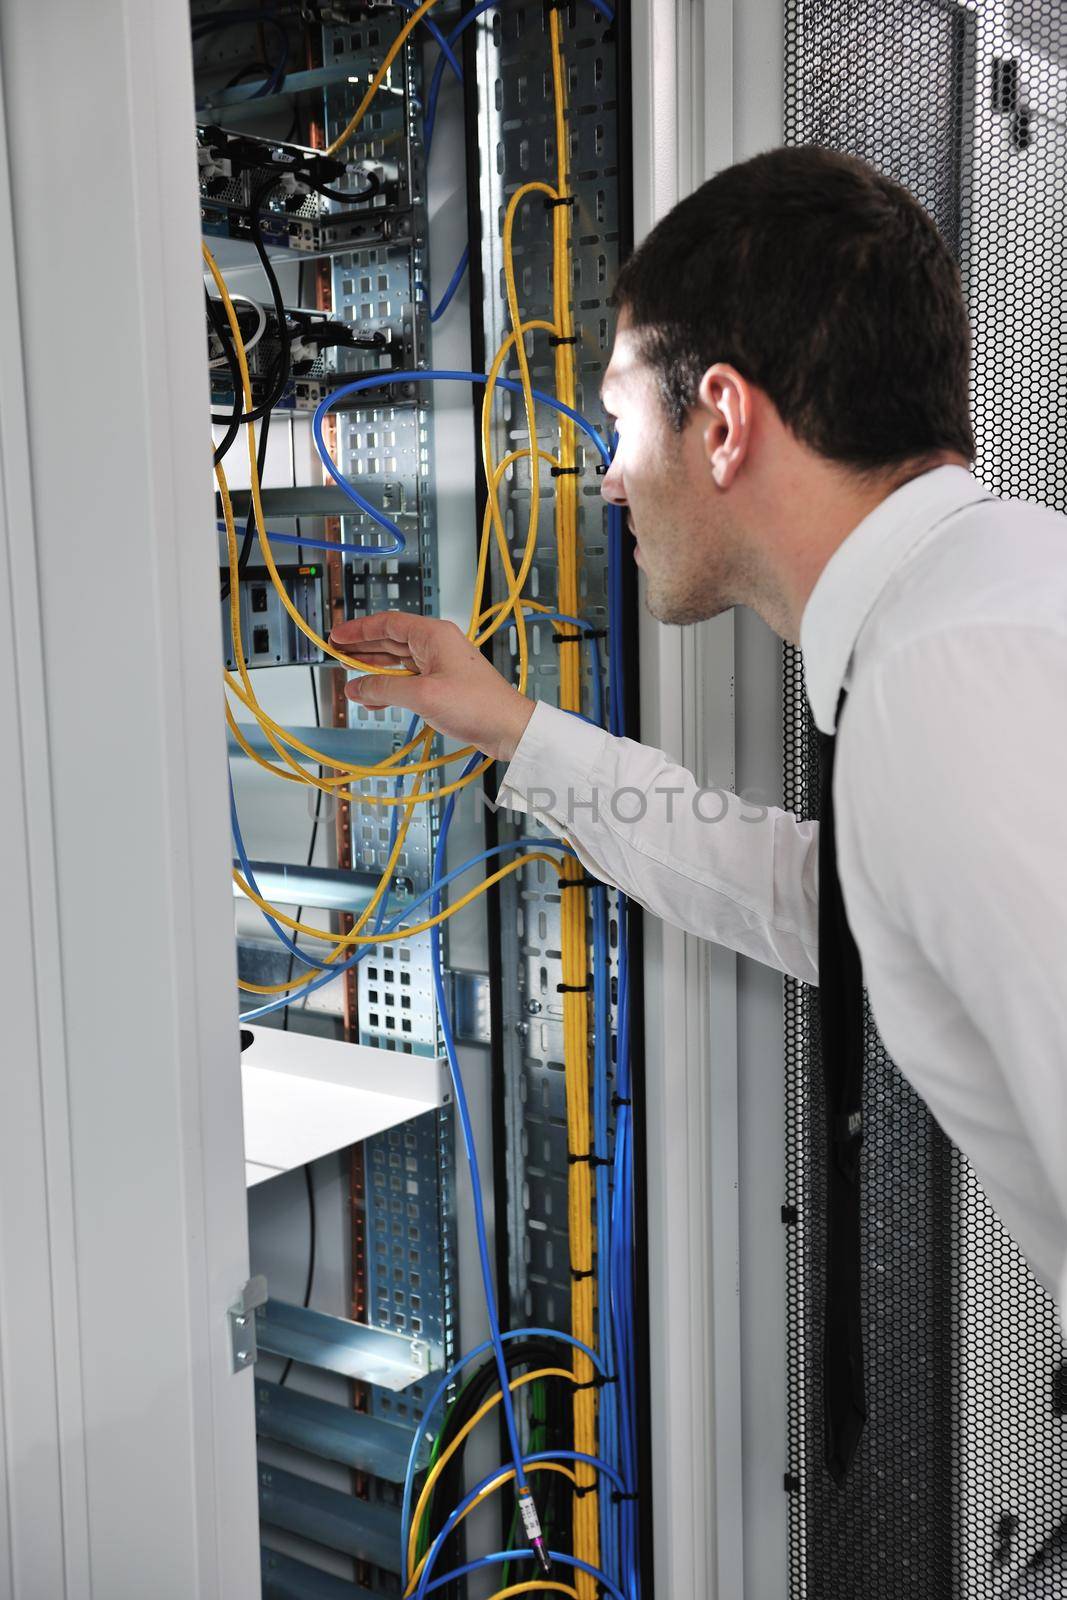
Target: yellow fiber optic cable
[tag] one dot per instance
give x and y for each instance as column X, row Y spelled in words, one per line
column 534, row 1586
column 257, row 503
column 468, row 1427
column 506, row 1475
column 379, row 77
column 574, row 936
column 380, row 938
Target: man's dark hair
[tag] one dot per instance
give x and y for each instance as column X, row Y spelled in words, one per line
column 828, row 287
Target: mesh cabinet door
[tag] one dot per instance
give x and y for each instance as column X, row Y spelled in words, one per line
column 959, row 1487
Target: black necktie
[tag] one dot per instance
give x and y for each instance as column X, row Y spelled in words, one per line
column 841, row 1013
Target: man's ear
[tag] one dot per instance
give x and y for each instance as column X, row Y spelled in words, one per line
column 726, row 399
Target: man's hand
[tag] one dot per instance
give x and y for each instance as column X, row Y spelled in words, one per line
column 452, row 687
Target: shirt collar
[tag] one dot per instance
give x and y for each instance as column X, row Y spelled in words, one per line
column 849, row 585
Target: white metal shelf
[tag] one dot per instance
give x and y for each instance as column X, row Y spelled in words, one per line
column 306, row 1097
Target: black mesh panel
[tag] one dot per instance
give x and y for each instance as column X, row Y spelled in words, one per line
column 959, row 1487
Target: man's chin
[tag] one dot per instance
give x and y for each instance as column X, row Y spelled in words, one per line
column 680, row 611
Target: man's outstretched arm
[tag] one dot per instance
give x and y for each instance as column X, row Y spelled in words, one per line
column 740, row 874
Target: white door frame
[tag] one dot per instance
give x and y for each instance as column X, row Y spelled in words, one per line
column 127, row 1452
column 707, row 91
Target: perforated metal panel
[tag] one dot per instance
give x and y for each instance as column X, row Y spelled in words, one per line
column 384, row 447
column 959, row 1487
column 517, row 140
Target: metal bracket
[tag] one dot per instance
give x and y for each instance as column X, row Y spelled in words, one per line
column 470, row 1007
column 242, row 1320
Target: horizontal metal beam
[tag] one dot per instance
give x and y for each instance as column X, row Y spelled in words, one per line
column 260, row 961
column 328, row 888
column 356, row 745
column 284, row 1578
column 365, row 1529
column 295, row 83
column 372, row 1355
column 311, row 500
column 332, row 1432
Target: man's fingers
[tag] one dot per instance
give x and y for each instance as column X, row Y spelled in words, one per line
column 377, row 692
column 374, row 658
column 389, row 649
column 385, row 629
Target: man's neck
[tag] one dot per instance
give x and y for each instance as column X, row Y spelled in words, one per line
column 825, row 504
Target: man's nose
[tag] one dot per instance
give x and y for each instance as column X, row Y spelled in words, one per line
column 611, row 485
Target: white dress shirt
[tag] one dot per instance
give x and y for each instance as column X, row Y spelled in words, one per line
column 944, row 614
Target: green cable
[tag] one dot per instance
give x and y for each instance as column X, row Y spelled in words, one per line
column 538, row 1441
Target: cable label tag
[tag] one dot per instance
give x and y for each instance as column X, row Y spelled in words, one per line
column 530, row 1520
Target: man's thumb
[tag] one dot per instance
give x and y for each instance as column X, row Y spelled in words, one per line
column 369, row 690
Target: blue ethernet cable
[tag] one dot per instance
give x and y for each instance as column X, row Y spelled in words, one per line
column 471, row 1499
column 453, row 284
column 378, row 380
column 394, row 827
column 334, row 546
column 439, row 69
column 338, row 967
column 621, row 1242
column 470, row 1148
column 202, row 26
column 524, row 1496
column 500, row 1556
column 438, row 1395
column 335, row 969
column 432, row 28
column 246, row 867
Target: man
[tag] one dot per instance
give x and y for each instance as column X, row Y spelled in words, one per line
column 790, row 386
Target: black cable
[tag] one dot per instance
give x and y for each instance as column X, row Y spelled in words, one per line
column 261, row 67
column 246, row 542
column 314, row 824
column 312, row 1231
column 285, row 1024
column 221, row 329
column 280, row 381
column 449, row 1488
column 374, row 187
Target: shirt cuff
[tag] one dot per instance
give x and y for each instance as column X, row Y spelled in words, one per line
column 557, row 753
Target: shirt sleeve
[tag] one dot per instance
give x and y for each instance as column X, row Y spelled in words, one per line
column 960, row 799
column 740, row 874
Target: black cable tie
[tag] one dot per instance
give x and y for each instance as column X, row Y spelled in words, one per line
column 618, row 1100
column 556, row 339
column 559, row 199
column 587, row 1272
column 597, row 1381
column 580, row 1493
column 580, row 883
column 577, row 638
column 573, row 988
column 565, row 472
column 593, row 1160
column 617, row 1496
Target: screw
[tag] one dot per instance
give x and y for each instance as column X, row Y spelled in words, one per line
column 533, row 1007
